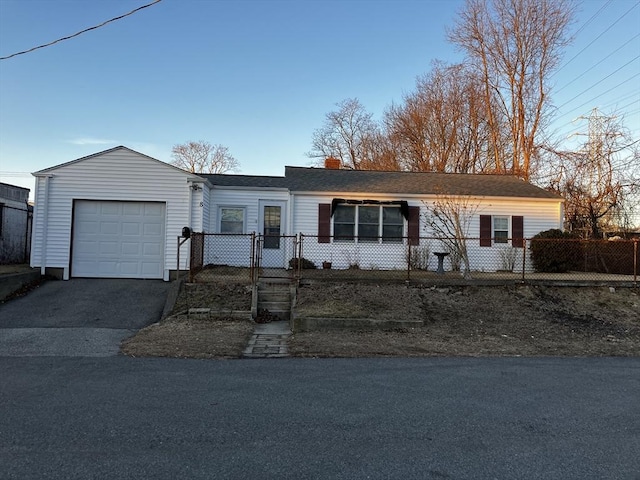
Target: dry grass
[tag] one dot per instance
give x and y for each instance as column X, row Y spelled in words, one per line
column 475, row 321
column 182, row 337
column 458, row 321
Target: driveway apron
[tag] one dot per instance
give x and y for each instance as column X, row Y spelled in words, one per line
column 79, row 317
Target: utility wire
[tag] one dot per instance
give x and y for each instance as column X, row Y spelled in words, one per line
column 594, row 66
column 82, row 31
column 597, row 96
column 600, row 81
column 594, row 40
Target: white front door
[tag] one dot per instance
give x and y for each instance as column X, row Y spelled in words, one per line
column 272, row 227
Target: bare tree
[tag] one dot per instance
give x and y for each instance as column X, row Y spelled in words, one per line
column 350, row 134
column 203, row 157
column 440, row 127
column 449, row 219
column 601, row 181
column 516, row 45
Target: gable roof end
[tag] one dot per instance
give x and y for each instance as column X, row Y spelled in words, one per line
column 111, row 150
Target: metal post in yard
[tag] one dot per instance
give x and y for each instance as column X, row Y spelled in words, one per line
column 635, row 263
column 409, row 260
column 298, row 251
column 180, row 243
column 300, row 243
column 252, row 260
column 524, row 256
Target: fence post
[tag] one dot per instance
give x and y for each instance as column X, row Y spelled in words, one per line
column 635, row 262
column 409, row 260
column 524, row 257
column 299, row 255
column 253, row 256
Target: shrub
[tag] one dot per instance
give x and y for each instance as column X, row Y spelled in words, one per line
column 555, row 251
column 303, row 262
column 418, row 256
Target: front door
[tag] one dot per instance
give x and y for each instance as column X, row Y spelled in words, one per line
column 272, row 223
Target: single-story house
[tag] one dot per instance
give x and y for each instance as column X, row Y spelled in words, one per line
column 15, row 224
column 119, row 213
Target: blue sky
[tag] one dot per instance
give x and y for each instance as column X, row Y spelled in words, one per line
column 257, row 76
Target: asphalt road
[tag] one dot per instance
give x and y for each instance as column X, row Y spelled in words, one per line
column 502, row 418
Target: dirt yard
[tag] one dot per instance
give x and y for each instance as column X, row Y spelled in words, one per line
column 184, row 336
column 474, row 321
column 458, row 321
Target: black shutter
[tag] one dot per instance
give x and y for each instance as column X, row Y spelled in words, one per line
column 324, row 223
column 517, row 231
column 413, row 226
column 485, row 230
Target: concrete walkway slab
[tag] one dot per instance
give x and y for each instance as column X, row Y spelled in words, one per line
column 269, row 340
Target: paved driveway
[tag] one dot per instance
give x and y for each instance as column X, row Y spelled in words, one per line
column 79, row 317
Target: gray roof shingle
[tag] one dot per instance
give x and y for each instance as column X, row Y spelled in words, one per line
column 257, row 181
column 303, row 179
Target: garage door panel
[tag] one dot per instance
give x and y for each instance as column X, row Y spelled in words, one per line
column 129, row 268
column 88, row 227
column 151, row 249
column 154, row 210
column 131, row 228
column 87, row 208
column 152, row 229
column 118, row 239
column 111, row 208
column 108, row 248
column 130, row 248
column 109, row 228
column 150, row 269
column 131, row 209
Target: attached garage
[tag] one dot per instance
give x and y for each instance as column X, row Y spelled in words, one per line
column 118, row 239
column 114, row 214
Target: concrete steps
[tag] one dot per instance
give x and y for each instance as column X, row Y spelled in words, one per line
column 272, row 298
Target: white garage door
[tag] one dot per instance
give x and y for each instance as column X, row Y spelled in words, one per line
column 118, row 239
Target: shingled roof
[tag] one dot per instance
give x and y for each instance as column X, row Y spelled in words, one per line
column 256, row 181
column 302, row 179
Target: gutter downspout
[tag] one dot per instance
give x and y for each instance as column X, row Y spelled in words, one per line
column 45, row 226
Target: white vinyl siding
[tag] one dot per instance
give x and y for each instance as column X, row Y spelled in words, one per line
column 244, row 198
column 120, row 175
column 538, row 214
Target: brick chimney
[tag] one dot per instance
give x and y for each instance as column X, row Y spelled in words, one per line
column 332, row 163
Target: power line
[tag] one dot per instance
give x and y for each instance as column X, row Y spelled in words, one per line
column 607, row 57
column 600, row 81
column 586, row 24
column 594, row 40
column 82, row 31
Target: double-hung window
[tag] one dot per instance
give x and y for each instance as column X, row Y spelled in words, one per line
column 231, row 220
column 392, row 224
column 500, row 229
column 344, row 222
column 368, row 223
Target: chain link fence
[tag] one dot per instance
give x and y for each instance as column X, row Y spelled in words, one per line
column 423, row 259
